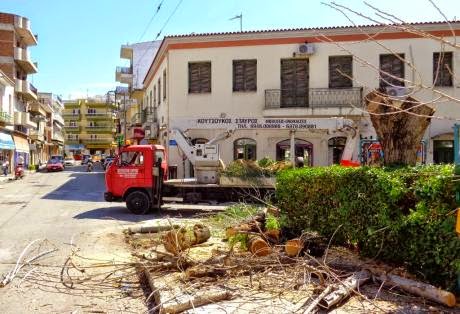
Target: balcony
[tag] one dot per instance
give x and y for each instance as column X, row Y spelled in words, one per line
column 98, row 141
column 99, row 116
column 57, row 136
column 318, row 102
column 72, row 140
column 27, row 90
column 71, row 116
column 22, row 26
column 126, row 52
column 57, row 118
column 37, row 108
column 72, row 128
column 124, row 75
column 23, row 118
column 109, row 129
column 22, row 57
column 6, row 118
column 37, row 135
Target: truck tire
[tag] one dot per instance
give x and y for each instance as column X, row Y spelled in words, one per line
column 138, row 203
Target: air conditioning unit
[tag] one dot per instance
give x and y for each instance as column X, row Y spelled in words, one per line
column 397, row 92
column 306, row 49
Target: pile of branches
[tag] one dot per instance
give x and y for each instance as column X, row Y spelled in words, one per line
column 266, row 254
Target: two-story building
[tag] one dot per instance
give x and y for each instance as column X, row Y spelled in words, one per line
column 280, row 88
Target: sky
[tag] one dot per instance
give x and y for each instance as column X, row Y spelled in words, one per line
column 79, row 40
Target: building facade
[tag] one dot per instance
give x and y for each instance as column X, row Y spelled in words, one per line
column 89, row 126
column 275, row 89
column 139, row 56
column 7, row 147
column 53, row 135
column 15, row 61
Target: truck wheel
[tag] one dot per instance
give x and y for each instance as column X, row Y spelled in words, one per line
column 138, row 203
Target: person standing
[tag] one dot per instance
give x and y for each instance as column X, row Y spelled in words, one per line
column 5, row 166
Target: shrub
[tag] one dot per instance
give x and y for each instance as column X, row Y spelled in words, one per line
column 402, row 215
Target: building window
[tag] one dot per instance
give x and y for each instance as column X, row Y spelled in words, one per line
column 340, row 72
column 443, row 151
column 303, row 151
column 336, row 147
column 442, row 69
column 199, row 77
column 244, row 148
column 73, row 123
column 391, row 70
column 295, row 76
column 159, row 91
column 244, row 75
column 164, row 84
column 150, row 101
column 154, row 95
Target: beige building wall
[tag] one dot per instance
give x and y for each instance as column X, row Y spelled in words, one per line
column 223, row 102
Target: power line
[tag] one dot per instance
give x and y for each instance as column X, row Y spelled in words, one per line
column 167, row 21
column 151, row 20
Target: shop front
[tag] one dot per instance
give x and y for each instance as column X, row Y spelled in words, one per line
column 6, row 150
column 22, row 149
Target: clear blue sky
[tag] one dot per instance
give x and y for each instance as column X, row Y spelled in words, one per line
column 79, row 40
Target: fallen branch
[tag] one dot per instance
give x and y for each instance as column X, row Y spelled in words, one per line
column 315, row 302
column 418, row 288
column 196, row 301
column 150, row 229
column 343, row 289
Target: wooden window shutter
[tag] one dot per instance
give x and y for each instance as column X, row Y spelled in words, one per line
column 250, row 74
column 340, row 72
column 205, row 77
column 391, row 68
column 199, row 77
column 238, row 75
column 159, row 91
column 193, row 78
column 442, row 69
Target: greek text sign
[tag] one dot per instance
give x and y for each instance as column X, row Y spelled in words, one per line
column 258, row 123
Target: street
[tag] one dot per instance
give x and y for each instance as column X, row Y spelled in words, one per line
column 67, row 209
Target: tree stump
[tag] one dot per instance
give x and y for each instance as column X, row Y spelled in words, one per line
column 259, row 246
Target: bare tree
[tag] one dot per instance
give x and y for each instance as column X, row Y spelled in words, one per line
column 400, row 121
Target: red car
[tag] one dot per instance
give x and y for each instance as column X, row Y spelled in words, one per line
column 54, row 165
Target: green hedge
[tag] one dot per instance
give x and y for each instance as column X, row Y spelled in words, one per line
column 404, row 216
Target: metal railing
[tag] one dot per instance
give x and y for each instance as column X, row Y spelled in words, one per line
column 148, row 116
column 33, row 89
column 5, row 117
column 315, row 98
column 124, row 70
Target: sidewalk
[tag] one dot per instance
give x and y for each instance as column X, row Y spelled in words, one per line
column 10, row 177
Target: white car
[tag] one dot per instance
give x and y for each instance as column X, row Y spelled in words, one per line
column 69, row 161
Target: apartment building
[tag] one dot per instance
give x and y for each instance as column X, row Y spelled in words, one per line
column 89, row 126
column 15, row 61
column 7, row 147
column 132, row 120
column 282, row 88
column 53, row 135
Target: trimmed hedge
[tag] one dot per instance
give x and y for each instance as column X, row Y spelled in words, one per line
column 404, row 216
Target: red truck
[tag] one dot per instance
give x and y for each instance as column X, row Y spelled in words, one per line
column 136, row 177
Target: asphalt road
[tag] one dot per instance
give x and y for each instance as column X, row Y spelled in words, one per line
column 66, row 210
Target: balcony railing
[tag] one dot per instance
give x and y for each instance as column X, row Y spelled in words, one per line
column 124, row 70
column 100, row 129
column 99, row 116
column 315, row 98
column 147, row 116
column 33, row 89
column 6, row 118
column 98, row 140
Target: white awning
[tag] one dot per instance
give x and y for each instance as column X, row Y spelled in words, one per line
column 22, row 145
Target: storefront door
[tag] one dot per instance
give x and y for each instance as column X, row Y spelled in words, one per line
column 443, row 152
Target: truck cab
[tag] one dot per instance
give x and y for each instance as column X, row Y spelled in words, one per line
column 136, row 177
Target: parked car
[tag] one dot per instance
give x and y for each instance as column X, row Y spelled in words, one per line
column 85, row 159
column 54, row 165
column 69, row 161
column 107, row 161
column 58, row 157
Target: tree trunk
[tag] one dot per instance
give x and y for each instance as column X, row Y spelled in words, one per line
column 399, row 133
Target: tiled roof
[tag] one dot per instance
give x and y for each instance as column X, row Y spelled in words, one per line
column 306, row 29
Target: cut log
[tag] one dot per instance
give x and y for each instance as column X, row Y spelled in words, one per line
column 151, row 229
column 314, row 304
column 273, row 236
column 345, row 288
column 202, row 234
column 243, row 228
column 259, row 246
column 418, row 288
column 196, row 301
column 293, row 247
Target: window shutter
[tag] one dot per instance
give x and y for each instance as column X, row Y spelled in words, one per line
column 250, row 75
column 340, row 67
column 205, row 77
column 442, row 69
column 193, row 78
column 391, row 65
column 238, row 75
